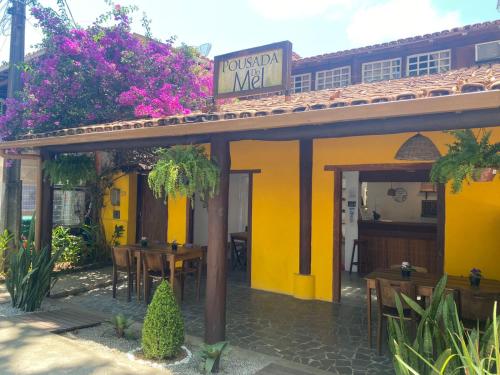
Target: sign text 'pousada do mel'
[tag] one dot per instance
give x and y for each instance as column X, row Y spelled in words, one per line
column 253, row 71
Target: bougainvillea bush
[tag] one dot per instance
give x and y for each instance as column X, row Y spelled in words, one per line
column 103, row 73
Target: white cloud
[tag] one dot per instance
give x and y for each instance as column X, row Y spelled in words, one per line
column 395, row 19
column 296, row 9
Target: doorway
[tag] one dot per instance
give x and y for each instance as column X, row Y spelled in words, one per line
column 384, row 215
column 239, row 223
column 152, row 213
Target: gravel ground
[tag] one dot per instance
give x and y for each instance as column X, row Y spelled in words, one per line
column 6, row 309
column 235, row 361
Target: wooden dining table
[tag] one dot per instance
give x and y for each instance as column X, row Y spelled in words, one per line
column 182, row 254
column 424, row 284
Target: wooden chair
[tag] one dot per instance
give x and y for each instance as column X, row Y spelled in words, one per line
column 238, row 253
column 194, row 268
column 476, row 306
column 386, row 294
column 123, row 262
column 415, row 268
column 154, row 265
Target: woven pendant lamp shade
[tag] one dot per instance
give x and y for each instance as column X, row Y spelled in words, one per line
column 418, row 147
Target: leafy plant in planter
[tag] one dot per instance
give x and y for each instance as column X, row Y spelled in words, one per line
column 70, row 170
column 470, row 157
column 184, row 170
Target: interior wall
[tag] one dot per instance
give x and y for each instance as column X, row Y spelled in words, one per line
column 350, row 204
column 237, row 210
column 408, row 211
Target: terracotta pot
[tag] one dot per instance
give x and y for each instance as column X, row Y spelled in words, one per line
column 484, row 174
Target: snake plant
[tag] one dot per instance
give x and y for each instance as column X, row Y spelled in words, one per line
column 29, row 275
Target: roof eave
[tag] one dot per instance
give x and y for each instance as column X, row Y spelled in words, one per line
column 423, row 106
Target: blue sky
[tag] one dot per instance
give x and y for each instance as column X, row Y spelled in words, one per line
column 313, row 26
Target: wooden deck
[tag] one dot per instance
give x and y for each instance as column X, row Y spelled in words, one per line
column 58, row 321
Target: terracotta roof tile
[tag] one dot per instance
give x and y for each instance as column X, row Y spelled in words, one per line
column 492, row 25
column 478, row 78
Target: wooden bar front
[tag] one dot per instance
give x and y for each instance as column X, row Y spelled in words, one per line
column 383, row 244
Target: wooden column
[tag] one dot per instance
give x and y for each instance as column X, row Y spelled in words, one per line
column 44, row 218
column 306, row 162
column 215, row 305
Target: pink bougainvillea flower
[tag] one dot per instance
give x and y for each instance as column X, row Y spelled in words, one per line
column 102, row 74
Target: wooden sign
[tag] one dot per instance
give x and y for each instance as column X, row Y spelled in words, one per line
column 253, row 71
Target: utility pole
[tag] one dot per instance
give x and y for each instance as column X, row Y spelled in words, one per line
column 12, row 197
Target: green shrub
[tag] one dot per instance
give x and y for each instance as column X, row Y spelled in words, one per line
column 71, row 246
column 121, row 323
column 5, row 239
column 163, row 329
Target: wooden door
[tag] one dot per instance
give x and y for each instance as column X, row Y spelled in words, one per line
column 152, row 214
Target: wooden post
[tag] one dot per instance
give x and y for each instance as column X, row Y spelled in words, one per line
column 38, row 204
column 306, row 162
column 215, row 305
column 44, row 218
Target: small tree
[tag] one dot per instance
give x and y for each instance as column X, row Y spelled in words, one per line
column 163, row 330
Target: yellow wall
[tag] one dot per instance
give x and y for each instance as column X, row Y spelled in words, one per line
column 177, row 211
column 128, row 205
column 275, row 224
column 275, row 241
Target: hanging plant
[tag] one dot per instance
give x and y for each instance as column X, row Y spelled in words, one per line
column 70, row 170
column 470, row 157
column 184, row 171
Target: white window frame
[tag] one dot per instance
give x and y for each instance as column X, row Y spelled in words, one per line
column 336, row 72
column 301, row 76
column 438, row 67
column 479, row 44
column 391, row 75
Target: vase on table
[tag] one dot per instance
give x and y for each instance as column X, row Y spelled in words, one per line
column 475, row 277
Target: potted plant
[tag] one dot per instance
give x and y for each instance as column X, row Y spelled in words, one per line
column 184, row 171
column 475, row 277
column 470, row 157
column 175, row 246
column 406, row 269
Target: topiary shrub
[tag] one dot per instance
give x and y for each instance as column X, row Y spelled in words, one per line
column 163, row 329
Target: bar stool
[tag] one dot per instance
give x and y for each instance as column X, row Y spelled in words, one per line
column 355, row 246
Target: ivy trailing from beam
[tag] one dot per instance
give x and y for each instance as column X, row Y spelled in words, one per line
column 70, row 170
column 184, row 171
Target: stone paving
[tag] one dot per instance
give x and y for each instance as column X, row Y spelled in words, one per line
column 327, row 336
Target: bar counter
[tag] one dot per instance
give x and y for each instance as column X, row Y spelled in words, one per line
column 386, row 243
